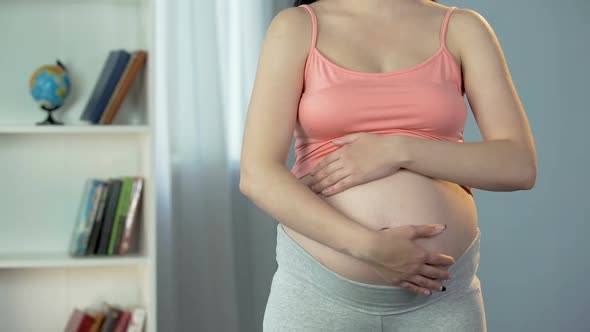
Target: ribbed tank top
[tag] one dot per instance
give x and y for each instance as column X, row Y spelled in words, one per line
column 425, row 100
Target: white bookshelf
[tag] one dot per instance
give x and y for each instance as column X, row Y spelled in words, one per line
column 43, row 169
column 61, row 260
column 79, row 130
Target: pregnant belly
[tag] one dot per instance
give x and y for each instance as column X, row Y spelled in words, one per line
column 399, row 199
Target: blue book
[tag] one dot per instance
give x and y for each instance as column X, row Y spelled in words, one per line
column 105, row 86
column 86, row 213
column 100, row 85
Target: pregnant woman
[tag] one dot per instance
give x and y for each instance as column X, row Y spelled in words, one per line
column 373, row 92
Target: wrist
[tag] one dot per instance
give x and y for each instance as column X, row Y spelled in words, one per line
column 399, row 151
column 365, row 246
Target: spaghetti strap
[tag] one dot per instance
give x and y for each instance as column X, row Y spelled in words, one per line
column 443, row 30
column 314, row 24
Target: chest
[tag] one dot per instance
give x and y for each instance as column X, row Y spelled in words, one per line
column 333, row 107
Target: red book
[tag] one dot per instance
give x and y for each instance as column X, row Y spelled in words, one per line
column 123, row 321
column 79, row 322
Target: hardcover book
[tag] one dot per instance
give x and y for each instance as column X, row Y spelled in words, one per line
column 105, row 86
column 109, row 217
column 134, row 67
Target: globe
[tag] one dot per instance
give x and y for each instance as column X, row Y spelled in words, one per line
column 50, row 85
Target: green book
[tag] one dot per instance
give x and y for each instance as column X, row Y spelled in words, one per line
column 121, row 214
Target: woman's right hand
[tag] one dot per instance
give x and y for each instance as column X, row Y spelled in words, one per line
column 406, row 264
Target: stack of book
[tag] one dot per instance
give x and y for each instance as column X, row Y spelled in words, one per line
column 110, row 319
column 117, row 76
column 108, row 217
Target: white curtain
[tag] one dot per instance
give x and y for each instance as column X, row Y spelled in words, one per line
column 216, row 253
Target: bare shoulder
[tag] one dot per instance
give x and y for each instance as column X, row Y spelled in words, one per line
column 468, row 28
column 288, row 36
column 292, row 22
column 471, row 21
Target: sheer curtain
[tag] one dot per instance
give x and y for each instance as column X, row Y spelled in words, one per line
column 215, row 249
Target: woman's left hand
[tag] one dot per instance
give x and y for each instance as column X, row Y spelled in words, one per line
column 363, row 157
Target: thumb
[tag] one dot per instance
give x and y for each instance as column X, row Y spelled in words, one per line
column 345, row 140
column 428, row 230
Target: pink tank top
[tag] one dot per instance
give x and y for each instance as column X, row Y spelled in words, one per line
column 425, row 100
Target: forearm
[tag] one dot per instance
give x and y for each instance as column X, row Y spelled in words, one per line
column 276, row 191
column 494, row 165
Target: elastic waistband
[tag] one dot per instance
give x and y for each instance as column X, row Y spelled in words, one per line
column 296, row 262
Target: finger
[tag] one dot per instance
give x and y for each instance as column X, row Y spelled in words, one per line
column 433, row 258
column 425, row 230
column 325, row 172
column 340, row 186
column 414, row 288
column 427, row 283
column 433, row 272
column 330, row 180
column 325, row 162
column 327, row 178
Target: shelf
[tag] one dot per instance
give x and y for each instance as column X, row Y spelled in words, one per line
column 84, row 1
column 60, row 260
column 78, row 129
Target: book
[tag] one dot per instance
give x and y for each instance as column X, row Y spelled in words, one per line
column 131, row 220
column 92, row 219
column 137, row 320
column 110, row 321
column 136, row 63
column 86, row 214
column 120, row 214
column 98, row 221
column 98, row 320
column 106, row 84
column 79, row 321
column 123, row 321
column 99, row 86
column 109, row 217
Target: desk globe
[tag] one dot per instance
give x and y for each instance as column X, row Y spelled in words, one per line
column 50, row 85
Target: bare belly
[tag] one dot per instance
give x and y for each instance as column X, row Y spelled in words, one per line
column 399, row 199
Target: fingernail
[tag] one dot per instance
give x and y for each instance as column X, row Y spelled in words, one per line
column 426, row 292
column 443, row 288
column 441, row 227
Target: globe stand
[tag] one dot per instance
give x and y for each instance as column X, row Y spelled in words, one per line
column 49, row 120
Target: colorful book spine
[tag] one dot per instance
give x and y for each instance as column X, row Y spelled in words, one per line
column 110, row 76
column 88, row 206
column 110, row 321
column 111, row 318
column 131, row 221
column 79, row 322
column 92, row 246
column 123, row 321
column 98, row 320
column 120, row 214
column 136, row 63
column 137, row 320
column 109, row 217
column 90, row 222
column 100, row 85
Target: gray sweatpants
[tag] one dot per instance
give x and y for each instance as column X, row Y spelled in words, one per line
column 306, row 296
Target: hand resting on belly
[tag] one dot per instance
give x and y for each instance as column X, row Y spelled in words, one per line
column 401, row 199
